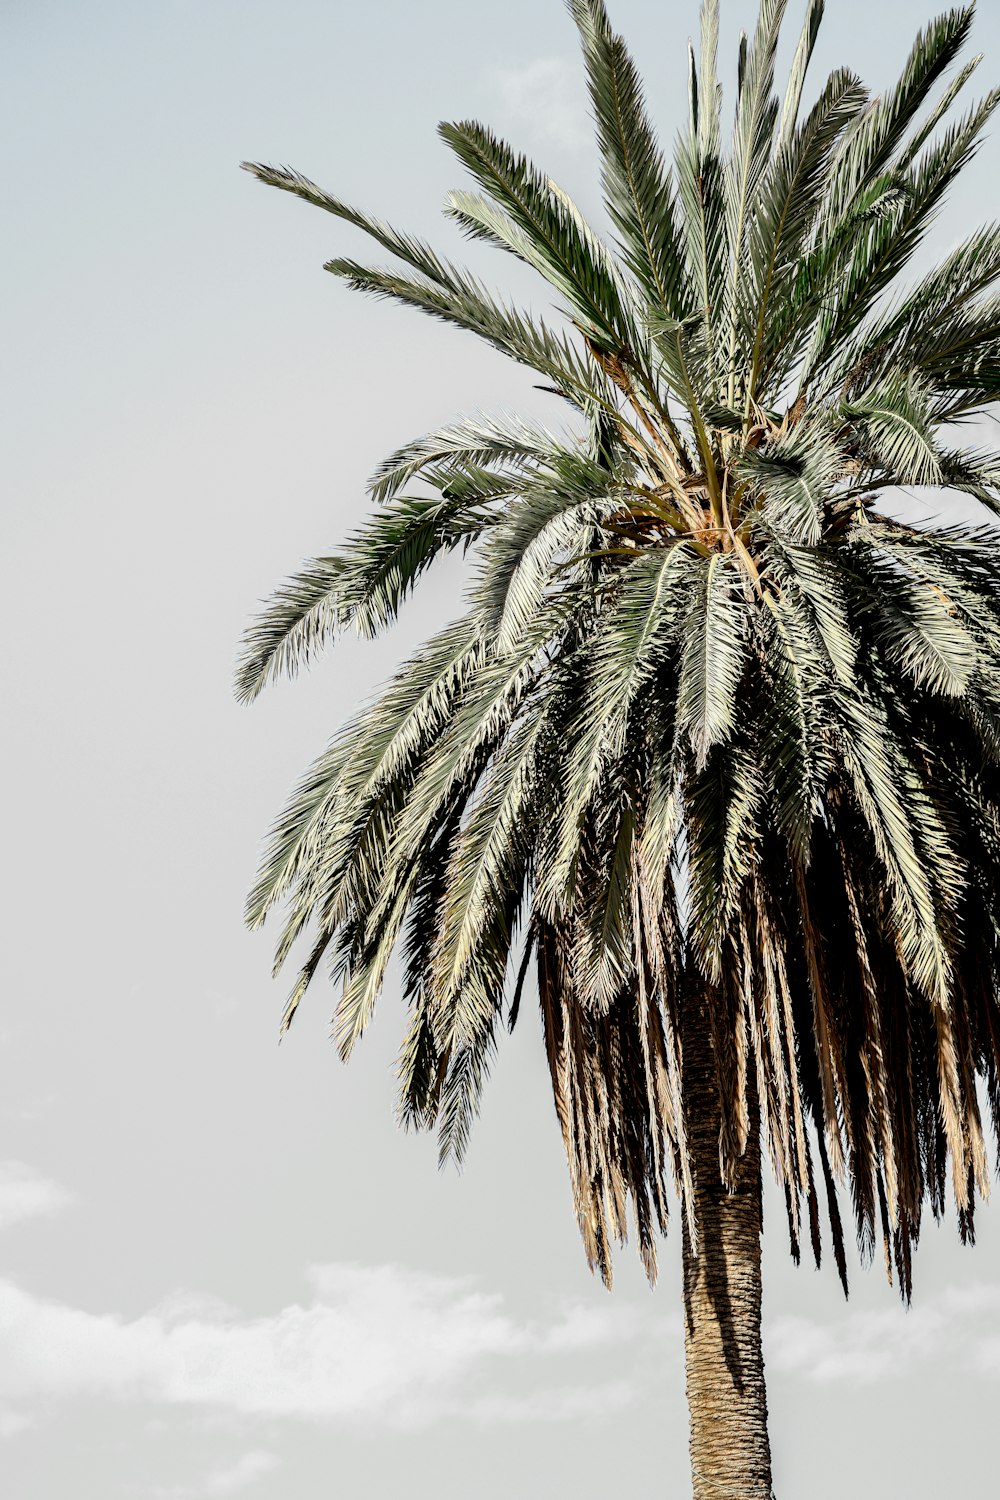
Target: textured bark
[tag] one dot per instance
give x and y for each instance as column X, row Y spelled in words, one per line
column 727, row 1398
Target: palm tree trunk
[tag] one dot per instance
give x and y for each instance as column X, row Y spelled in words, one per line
column 727, row 1397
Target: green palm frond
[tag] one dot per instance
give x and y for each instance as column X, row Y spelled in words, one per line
column 713, row 656
column 634, row 639
column 490, row 856
column 813, row 589
column 876, row 138
column 409, row 712
column 784, row 213
column 918, row 629
column 463, row 302
column 796, row 757
column 792, row 479
column 472, row 443
column 549, row 233
column 637, row 184
column 893, row 238
column 753, row 139
column 894, row 422
column 408, row 249
column 921, row 324
column 300, row 618
column 798, row 71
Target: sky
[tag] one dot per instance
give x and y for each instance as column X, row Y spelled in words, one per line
column 223, row 1270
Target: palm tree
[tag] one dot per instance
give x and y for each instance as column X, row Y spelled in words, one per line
column 714, row 750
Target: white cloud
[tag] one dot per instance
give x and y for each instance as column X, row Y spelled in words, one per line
column 382, row 1345
column 226, row 1481
column 12, row 1422
column 33, row 1108
column 549, row 96
column 251, row 1467
column 25, row 1194
column 959, row 1328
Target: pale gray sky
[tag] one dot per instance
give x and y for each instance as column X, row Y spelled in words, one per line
column 222, row 1271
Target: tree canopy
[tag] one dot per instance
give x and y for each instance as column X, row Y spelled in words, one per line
column 715, row 718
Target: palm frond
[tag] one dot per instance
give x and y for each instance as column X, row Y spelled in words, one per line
column 472, row 442
column 464, row 303
column 713, row 656
column 799, row 70
column 551, row 234
column 894, row 420
column 637, row 184
column 299, row 619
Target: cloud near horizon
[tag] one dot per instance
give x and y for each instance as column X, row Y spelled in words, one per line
column 228, row 1480
column 26, row 1194
column 381, row 1345
column 391, row 1347
column 958, row 1329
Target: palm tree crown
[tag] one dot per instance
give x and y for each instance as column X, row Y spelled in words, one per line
column 713, row 723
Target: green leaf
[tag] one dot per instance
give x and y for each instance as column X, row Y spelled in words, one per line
column 466, row 304
column 637, row 185
column 714, row 653
column 895, row 423
column 550, row 233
